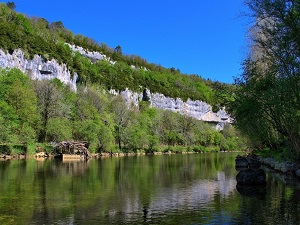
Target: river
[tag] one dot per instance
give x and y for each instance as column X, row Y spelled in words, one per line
column 166, row 189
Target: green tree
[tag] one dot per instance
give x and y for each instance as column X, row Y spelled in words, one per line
column 19, row 104
column 122, row 117
column 11, row 5
column 50, row 105
column 59, row 129
column 118, row 50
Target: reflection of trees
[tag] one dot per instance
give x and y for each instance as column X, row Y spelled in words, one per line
column 178, row 188
column 276, row 206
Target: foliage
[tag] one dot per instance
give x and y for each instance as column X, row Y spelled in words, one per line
column 18, row 106
column 47, row 111
column 268, row 98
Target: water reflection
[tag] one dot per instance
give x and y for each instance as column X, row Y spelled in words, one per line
column 257, row 191
column 177, row 189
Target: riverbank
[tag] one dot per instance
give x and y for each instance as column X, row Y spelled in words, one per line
column 44, row 155
column 253, row 162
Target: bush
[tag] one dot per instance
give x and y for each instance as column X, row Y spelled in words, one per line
column 18, row 149
column 5, row 149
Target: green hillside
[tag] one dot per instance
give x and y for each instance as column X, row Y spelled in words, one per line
column 38, row 36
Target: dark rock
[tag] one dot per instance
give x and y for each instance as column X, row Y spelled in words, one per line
column 251, row 177
column 241, row 161
column 253, row 161
column 249, row 161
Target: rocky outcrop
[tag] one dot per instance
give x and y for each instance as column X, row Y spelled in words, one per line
column 196, row 109
column 38, row 68
column 249, row 175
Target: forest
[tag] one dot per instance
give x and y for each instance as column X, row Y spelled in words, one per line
column 33, row 111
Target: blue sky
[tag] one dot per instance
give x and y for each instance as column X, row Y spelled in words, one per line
column 207, row 38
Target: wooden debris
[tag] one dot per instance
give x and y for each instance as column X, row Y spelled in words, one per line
column 72, row 148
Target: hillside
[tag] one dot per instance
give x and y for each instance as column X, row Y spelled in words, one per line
column 36, row 36
column 57, row 86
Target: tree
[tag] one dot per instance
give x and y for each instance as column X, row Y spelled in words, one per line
column 57, row 25
column 50, row 104
column 118, row 50
column 91, row 120
column 122, row 116
column 11, row 5
column 19, row 104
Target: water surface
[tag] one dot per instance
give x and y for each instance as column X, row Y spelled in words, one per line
column 167, row 189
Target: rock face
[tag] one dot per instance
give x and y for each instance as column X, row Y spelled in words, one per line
column 241, row 162
column 249, row 175
column 279, row 166
column 37, row 68
column 196, row 109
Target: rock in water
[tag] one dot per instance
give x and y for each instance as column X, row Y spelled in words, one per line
column 251, row 177
column 241, row 162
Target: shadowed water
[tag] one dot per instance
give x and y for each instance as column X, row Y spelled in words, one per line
column 167, row 189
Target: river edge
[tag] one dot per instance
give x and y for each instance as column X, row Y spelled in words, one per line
column 287, row 168
column 43, row 155
column 287, row 171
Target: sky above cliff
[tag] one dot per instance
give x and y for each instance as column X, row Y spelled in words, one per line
column 207, row 38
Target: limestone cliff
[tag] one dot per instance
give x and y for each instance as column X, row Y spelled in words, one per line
column 196, row 109
column 38, row 68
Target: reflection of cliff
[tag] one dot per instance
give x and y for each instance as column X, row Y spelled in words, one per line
column 166, row 200
column 199, row 194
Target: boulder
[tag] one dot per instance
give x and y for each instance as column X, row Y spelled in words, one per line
column 241, row 161
column 251, row 177
column 249, row 161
